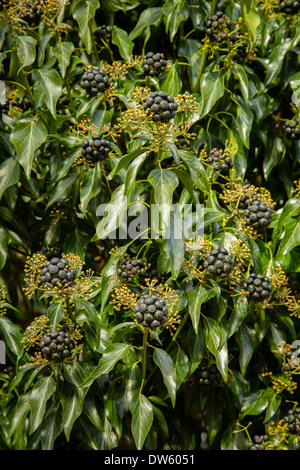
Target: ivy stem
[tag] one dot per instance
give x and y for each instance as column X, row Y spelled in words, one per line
column 69, row 310
column 204, row 55
column 144, row 354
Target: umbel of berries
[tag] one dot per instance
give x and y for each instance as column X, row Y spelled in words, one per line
column 57, row 345
column 218, row 262
column 258, row 442
column 292, row 418
column 151, row 311
column 33, row 13
column 161, row 106
column 95, row 150
column 221, row 161
column 258, row 214
column 289, row 6
column 291, row 130
column 95, row 80
column 153, row 64
column 131, row 269
column 57, row 273
column 103, row 32
column 258, row 287
column 215, row 25
column 208, row 376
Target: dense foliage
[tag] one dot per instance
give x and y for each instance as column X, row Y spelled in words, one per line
column 119, row 330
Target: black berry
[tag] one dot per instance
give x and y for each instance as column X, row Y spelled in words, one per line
column 57, row 345
column 153, row 64
column 32, row 14
column 151, row 311
column 161, row 106
column 291, row 130
column 131, row 269
column 290, row 7
column 258, row 442
column 56, row 273
column 96, row 149
column 95, row 80
column 218, row 262
column 258, row 214
column 220, row 161
column 258, row 287
column 103, row 32
column 208, row 376
column 292, row 418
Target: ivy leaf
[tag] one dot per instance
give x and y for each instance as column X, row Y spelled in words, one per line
column 63, row 51
column 112, row 354
column 251, row 18
column 172, row 83
column 148, row 17
column 90, row 186
column 27, row 137
column 75, row 242
column 114, row 215
column 47, row 88
column 26, row 50
column 212, row 88
column 275, row 152
column 164, row 361
column 62, row 189
column 196, row 298
column 196, row 170
column 40, row 394
column 9, row 174
column 164, row 182
column 121, row 39
column 142, row 419
column 83, row 12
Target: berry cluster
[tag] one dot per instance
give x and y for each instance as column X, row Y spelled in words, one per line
column 153, row 64
column 151, row 311
column 95, row 80
column 131, row 269
column 56, row 273
column 208, row 376
column 57, row 345
column 219, row 261
column 161, row 106
column 258, row 215
column 291, row 7
column 258, row 287
column 52, row 252
column 222, row 162
column 258, row 442
column 161, row 278
column 22, row 104
column 293, row 419
column 291, row 130
column 95, row 150
column 103, row 32
column 33, row 14
column 214, row 26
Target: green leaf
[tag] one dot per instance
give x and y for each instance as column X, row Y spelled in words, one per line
column 196, row 298
column 142, row 419
column 174, row 245
column 211, row 89
column 9, row 174
column 149, row 17
column 83, row 12
column 121, row 39
column 240, row 73
column 251, row 18
column 27, row 137
column 255, row 403
column 196, row 170
column 90, row 186
column 40, row 394
column 274, row 154
column 47, row 88
column 72, row 402
column 26, row 49
column 115, row 212
column 131, row 175
column 63, row 51
column 3, row 246
column 62, row 189
column 55, row 313
column 112, row 354
column 164, row 361
column 164, row 182
column 75, row 242
column 172, row 83
column 11, row 335
column 277, row 57
column 175, row 13
column 291, row 238
column 248, row 341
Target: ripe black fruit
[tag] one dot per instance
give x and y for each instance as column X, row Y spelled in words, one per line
column 57, row 345
column 258, row 442
column 208, row 376
column 218, row 262
column 221, row 161
column 151, row 311
column 291, row 7
column 56, row 273
column 293, row 419
column 153, row 64
column 258, row 287
column 291, row 130
column 258, row 215
column 95, row 80
column 33, row 13
column 161, row 106
column 131, row 269
column 96, row 149
column 103, row 32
